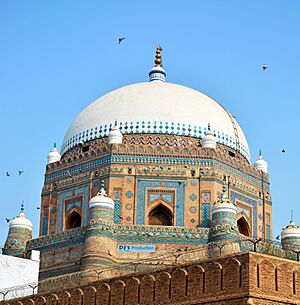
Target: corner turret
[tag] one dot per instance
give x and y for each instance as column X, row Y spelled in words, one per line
column 97, row 242
column 224, row 231
column 20, row 231
column 290, row 237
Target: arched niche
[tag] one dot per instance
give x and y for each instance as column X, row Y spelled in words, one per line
column 243, row 226
column 160, row 216
column 73, row 220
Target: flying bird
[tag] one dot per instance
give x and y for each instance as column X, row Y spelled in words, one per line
column 264, row 67
column 38, row 208
column 7, row 219
column 121, row 39
column 21, row 172
column 283, row 150
column 7, row 174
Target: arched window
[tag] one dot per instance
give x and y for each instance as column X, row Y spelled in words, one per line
column 160, row 216
column 73, row 221
column 243, row 226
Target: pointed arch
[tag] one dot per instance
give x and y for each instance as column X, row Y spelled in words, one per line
column 160, row 215
column 73, row 220
column 243, row 226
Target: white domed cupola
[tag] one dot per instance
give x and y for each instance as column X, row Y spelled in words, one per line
column 53, row 155
column 209, row 140
column 101, row 206
column 261, row 163
column 21, row 222
column 20, row 231
column 115, row 136
column 290, row 237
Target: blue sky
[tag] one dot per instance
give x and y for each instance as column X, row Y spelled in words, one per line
column 56, row 57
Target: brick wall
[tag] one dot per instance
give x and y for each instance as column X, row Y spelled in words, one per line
column 229, row 280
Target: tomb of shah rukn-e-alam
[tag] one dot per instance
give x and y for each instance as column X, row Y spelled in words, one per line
column 156, row 166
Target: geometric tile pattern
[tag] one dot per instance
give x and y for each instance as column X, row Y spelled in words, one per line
column 142, row 186
column 237, row 196
column 69, row 194
column 205, row 215
column 153, row 127
column 117, row 211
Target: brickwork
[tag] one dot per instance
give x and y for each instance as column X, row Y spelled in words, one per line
column 192, row 169
column 231, row 280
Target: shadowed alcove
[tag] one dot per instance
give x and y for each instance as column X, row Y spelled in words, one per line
column 243, row 226
column 73, row 221
column 160, row 216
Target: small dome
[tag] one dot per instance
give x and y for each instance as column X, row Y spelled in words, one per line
column 101, row 199
column 291, row 230
column 223, row 204
column 53, row 155
column 115, row 136
column 261, row 164
column 21, row 222
column 209, row 140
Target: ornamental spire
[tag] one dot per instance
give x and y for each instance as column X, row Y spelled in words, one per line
column 224, row 191
column 102, row 191
column 158, row 61
column 157, row 73
column 22, row 207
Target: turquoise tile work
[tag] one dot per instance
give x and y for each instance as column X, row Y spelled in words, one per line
column 237, row 196
column 117, row 211
column 205, row 215
column 143, row 185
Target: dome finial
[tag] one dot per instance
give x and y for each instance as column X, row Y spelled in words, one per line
column 22, row 207
column 292, row 216
column 260, row 152
column 224, row 191
column 158, row 73
column 158, row 61
column 102, row 191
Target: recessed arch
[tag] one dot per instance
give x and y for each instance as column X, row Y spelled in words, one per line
column 160, row 216
column 73, row 221
column 243, row 226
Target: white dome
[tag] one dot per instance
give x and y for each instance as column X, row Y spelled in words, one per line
column 53, row 156
column 156, row 107
column 21, row 222
column 223, row 204
column 101, row 200
column 291, row 230
column 209, row 140
column 261, row 164
column 115, row 136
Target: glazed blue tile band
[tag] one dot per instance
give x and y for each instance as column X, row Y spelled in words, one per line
column 154, row 127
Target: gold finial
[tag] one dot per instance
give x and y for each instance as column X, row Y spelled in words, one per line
column 158, row 61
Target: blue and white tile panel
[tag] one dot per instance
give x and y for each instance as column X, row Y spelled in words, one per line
column 173, row 128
